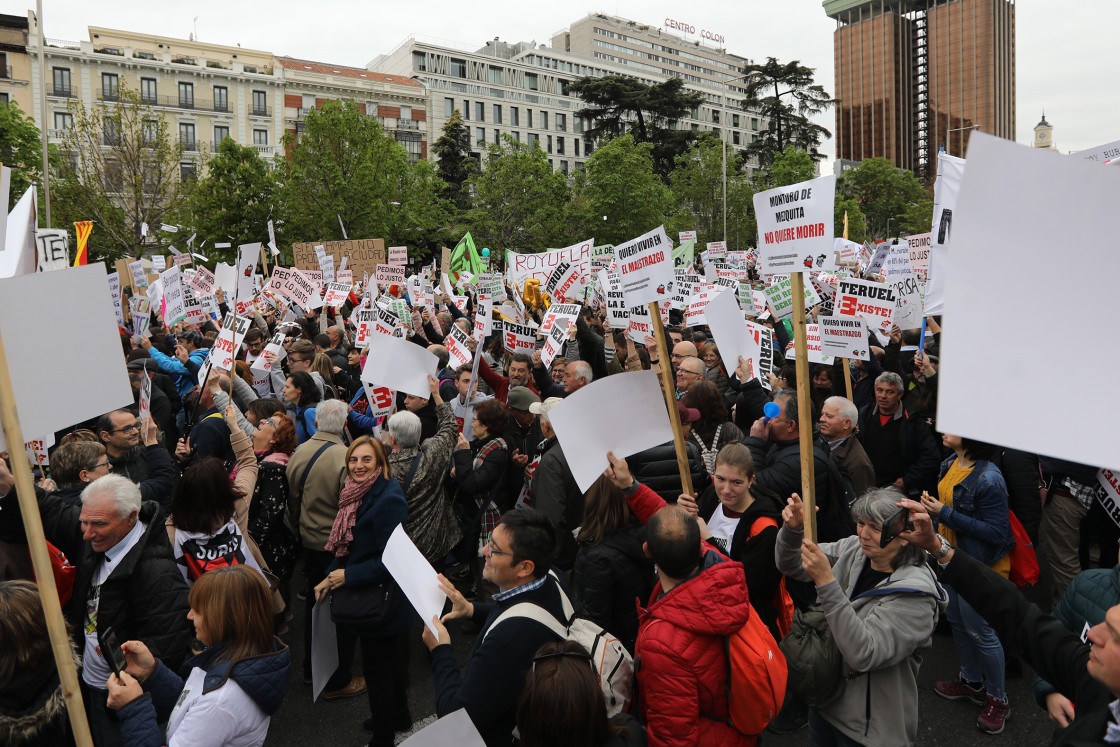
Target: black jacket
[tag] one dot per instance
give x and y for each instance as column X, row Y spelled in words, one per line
column 777, row 467
column 1057, row 654
column 609, row 576
column 919, row 455
column 151, row 468
column 657, row 468
column 557, row 496
column 749, row 402
column 1020, row 472
column 145, row 596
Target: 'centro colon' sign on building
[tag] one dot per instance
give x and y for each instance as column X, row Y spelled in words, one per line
column 690, row 29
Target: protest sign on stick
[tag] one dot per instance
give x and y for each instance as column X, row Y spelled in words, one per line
column 804, row 406
column 669, row 389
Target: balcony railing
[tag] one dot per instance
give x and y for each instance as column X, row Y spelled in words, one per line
column 189, row 144
column 408, row 124
column 260, row 111
column 266, row 150
column 176, row 102
column 64, row 92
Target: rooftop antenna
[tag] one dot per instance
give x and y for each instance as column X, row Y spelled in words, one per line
column 195, row 36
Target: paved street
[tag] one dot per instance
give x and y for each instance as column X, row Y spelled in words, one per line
column 943, row 723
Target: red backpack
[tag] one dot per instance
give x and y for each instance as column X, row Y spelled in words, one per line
column 781, row 601
column 756, row 677
column 1024, row 562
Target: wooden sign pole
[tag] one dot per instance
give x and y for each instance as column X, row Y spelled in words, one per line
column 40, row 560
column 848, row 379
column 264, row 262
column 670, row 388
column 804, row 407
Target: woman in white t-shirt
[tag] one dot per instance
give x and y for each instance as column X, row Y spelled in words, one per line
column 743, row 520
column 235, row 684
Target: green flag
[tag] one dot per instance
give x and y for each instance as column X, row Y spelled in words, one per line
column 684, row 255
column 465, row 258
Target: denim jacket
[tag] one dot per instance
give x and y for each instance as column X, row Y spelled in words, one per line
column 979, row 514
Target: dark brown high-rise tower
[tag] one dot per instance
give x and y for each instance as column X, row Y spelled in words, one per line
column 913, row 76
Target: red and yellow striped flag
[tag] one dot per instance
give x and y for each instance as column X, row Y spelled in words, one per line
column 82, row 229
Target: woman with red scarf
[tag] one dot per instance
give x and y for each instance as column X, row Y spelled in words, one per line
column 370, row 507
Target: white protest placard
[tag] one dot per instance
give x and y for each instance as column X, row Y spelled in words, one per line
column 907, row 301
column 81, row 319
column 114, row 281
column 346, row 277
column 415, row 576
column 683, row 283
column 324, row 647
column 182, row 259
column 558, row 313
column 277, row 279
column 159, row 263
column 565, row 283
column 795, row 225
column 730, row 331
column 203, row 282
column 5, row 194
column 270, row 357
column 454, row 728
column 1004, row 220
column 483, row 318
column 457, row 347
column 299, row 288
column 780, row 297
column 399, row 365
column 618, row 312
column 950, row 172
column 919, row 254
column 194, row 312
column 384, row 322
column 363, row 326
column 399, row 307
column 398, row 255
column 225, row 277
column 639, row 326
column 145, row 397
column 387, row 275
column 1106, row 153
column 51, row 247
column 519, row 338
column 336, row 296
column 246, row 263
column 702, row 294
column 139, row 277
column 621, row 413
column 140, row 308
column 898, row 261
column 874, row 302
column 326, row 266
column 382, row 400
column 540, row 265
column 844, row 337
column 229, row 341
column 878, row 259
column 645, row 267
column 175, row 309
column 684, row 236
column 37, row 450
column 1108, row 493
column 813, row 349
column 555, row 339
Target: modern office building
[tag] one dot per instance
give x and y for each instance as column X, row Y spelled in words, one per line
column 915, row 76
column 521, row 89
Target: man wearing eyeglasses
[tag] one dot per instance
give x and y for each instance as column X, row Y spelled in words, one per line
column 690, row 372
column 148, row 465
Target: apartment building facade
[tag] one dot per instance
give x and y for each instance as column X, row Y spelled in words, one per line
column 15, row 64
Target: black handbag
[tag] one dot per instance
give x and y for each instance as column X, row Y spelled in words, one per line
column 364, row 607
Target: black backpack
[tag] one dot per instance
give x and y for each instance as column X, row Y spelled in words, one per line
column 834, row 519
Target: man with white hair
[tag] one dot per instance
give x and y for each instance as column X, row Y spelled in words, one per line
column 838, row 420
column 553, row 488
column 316, row 473
column 127, row 580
column 420, row 468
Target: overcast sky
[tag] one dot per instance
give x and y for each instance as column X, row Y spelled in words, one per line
column 1067, row 55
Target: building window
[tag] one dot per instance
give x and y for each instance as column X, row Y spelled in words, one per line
column 715, row 116
column 529, row 118
column 544, row 120
column 260, row 104
column 480, row 135
column 575, row 144
column 735, row 137
column 534, row 139
column 186, row 136
column 150, row 133
column 4, row 98
column 734, row 120
column 186, row 95
column 587, row 147
column 406, row 112
column 561, row 122
column 754, row 123
column 221, row 99
column 514, row 116
column 148, row 90
column 495, row 75
column 448, row 107
column 466, row 109
column 578, row 125
column 564, row 167
column 260, row 137
column 61, row 81
column 109, row 83
column 110, row 131
column 420, row 61
column 516, row 136
column 531, row 82
column 497, row 113
column 497, row 136
column 221, row 132
column 548, row 143
column 458, row 68
column 63, row 120
column 559, row 145
column 480, row 111
column 188, row 172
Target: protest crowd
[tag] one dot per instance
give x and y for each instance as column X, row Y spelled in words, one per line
column 632, row 572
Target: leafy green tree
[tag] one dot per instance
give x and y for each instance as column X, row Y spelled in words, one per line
column 519, row 200
column 918, row 217
column 857, row 224
column 620, row 104
column 234, row 199
column 697, row 186
column 620, row 196
column 122, row 170
column 344, row 166
column 791, row 166
column 455, row 164
column 884, row 194
column 789, row 121
column 19, row 150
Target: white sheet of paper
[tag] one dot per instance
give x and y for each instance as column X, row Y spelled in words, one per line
column 81, row 319
column 621, row 413
column 946, row 193
column 399, row 365
column 18, row 257
column 5, row 191
column 415, row 575
column 730, row 331
column 454, row 728
column 324, row 648
column 991, row 239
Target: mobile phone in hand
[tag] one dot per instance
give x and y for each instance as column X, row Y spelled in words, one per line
column 111, row 650
column 895, row 526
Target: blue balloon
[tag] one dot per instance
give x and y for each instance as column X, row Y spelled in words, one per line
column 485, row 251
column 770, row 411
